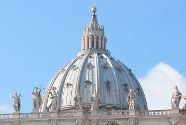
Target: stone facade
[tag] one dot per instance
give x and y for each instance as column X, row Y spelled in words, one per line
column 114, row 117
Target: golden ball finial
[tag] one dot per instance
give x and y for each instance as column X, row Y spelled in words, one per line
column 93, row 9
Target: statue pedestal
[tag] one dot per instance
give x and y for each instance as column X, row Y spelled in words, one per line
column 94, row 113
column 174, row 111
column 53, row 114
column 35, row 113
column 132, row 111
column 79, row 113
column 16, row 115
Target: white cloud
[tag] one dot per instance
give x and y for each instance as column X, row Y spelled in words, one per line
column 159, row 83
column 5, row 108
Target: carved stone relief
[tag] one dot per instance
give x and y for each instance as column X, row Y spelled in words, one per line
column 15, row 123
column 78, row 122
column 53, row 122
column 93, row 122
column 132, row 122
column 174, row 121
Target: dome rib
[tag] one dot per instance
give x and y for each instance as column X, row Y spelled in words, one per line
column 116, row 82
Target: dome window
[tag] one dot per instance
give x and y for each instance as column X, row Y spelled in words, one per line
column 101, row 56
column 125, row 85
column 69, row 85
column 87, row 84
column 107, row 85
column 119, row 68
column 105, row 66
column 90, row 56
column 89, row 66
column 130, row 71
column 62, row 70
column 74, row 67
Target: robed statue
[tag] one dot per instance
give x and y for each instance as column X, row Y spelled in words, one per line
column 36, row 99
column 95, row 101
column 54, row 98
column 16, row 102
column 77, row 101
column 176, row 97
column 131, row 99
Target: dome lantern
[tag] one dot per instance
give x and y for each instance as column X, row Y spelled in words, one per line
column 93, row 35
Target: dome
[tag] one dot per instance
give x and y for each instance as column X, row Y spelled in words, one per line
column 93, row 71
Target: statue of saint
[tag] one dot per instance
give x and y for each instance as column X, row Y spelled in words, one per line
column 54, row 97
column 36, row 98
column 77, row 101
column 131, row 99
column 176, row 97
column 16, row 102
column 95, row 101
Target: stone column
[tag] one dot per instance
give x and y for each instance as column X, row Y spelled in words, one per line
column 103, row 43
column 99, row 42
column 90, row 42
column 85, row 43
column 95, row 43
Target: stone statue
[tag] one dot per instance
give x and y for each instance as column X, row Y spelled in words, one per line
column 54, row 97
column 95, row 101
column 131, row 99
column 16, row 102
column 176, row 97
column 77, row 101
column 36, row 98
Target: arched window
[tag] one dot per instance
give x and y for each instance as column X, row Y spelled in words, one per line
column 112, row 123
column 92, row 42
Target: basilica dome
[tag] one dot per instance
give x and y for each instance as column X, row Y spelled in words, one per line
column 94, row 70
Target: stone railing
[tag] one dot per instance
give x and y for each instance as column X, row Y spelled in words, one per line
column 154, row 112
column 113, row 113
column 66, row 114
column 70, row 114
column 6, row 116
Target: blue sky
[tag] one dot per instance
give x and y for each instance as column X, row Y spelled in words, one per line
column 38, row 37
